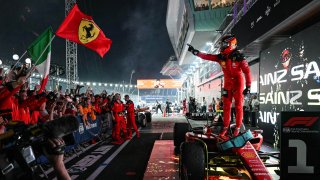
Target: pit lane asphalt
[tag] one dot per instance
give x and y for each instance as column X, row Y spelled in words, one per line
column 127, row 161
column 114, row 162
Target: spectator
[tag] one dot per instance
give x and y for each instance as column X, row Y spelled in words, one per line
column 204, row 105
column 218, row 103
column 255, row 109
column 184, row 106
column 246, row 110
column 255, row 103
column 158, row 106
column 213, row 105
column 168, row 103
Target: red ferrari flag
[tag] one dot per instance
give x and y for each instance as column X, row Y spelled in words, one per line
column 80, row 28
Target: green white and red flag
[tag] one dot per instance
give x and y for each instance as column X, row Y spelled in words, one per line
column 40, row 53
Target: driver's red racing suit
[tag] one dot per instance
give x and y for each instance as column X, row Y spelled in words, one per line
column 232, row 64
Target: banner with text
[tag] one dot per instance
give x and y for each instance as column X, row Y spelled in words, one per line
column 159, row 83
column 289, row 79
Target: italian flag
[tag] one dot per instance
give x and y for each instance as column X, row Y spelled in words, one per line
column 40, row 53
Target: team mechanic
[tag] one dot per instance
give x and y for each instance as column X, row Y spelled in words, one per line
column 131, row 121
column 119, row 119
column 233, row 64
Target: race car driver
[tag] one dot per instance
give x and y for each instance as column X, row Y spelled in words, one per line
column 233, row 64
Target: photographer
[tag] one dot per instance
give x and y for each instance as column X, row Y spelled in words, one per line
column 29, row 106
column 57, row 160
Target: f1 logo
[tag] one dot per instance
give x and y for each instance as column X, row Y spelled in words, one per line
column 306, row 121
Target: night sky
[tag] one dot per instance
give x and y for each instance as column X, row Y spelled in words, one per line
column 136, row 27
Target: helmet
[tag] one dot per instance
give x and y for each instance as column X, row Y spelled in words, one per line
column 285, row 58
column 228, row 43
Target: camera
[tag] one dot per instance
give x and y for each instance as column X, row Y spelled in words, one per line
column 22, row 144
column 23, row 69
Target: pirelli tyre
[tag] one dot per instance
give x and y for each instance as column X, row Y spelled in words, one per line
column 142, row 119
column 148, row 116
column 192, row 161
column 144, row 122
column 179, row 135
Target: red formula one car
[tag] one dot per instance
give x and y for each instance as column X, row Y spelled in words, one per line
column 204, row 155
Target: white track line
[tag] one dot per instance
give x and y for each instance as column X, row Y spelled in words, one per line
column 106, row 162
column 161, row 136
column 70, row 158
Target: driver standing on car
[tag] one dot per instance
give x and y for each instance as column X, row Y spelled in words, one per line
column 233, row 64
column 131, row 121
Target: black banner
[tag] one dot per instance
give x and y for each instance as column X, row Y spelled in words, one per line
column 300, row 135
column 289, row 79
column 262, row 17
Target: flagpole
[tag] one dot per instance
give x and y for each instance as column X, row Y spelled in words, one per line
column 34, row 65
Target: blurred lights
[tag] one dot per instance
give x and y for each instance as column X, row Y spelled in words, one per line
column 37, row 75
column 28, row 61
column 15, row 57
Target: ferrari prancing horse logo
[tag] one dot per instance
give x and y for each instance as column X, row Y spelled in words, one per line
column 88, row 31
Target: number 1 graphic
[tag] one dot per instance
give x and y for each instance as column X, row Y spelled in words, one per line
column 301, row 166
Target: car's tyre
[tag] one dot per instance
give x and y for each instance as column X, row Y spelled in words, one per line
column 179, row 133
column 142, row 120
column 192, row 161
column 148, row 116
